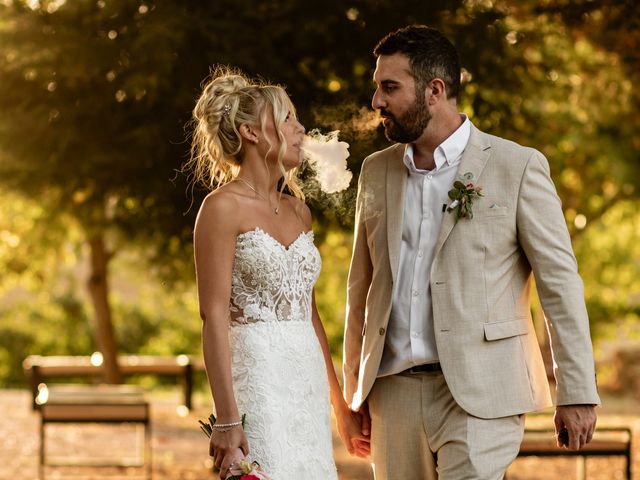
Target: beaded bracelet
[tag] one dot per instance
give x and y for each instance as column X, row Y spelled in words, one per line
column 210, row 425
column 225, row 427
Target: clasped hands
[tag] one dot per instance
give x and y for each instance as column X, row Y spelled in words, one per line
column 354, row 428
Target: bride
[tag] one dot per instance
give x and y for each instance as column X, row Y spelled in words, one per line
column 265, row 349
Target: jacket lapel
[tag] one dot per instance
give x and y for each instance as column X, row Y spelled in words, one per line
column 473, row 160
column 396, row 181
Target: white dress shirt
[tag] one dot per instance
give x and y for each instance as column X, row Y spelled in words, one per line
column 410, row 336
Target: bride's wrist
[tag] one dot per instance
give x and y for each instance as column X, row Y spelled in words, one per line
column 226, row 429
column 220, row 426
column 337, row 400
column 228, row 416
column 340, row 407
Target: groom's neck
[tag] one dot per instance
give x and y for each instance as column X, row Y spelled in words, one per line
column 440, row 127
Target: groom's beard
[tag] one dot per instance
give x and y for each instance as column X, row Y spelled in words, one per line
column 409, row 126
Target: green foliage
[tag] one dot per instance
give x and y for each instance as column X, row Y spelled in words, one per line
column 331, row 287
column 609, row 255
column 35, row 249
column 158, row 321
column 87, row 78
column 43, row 325
column 148, row 321
column 561, row 92
column 43, row 309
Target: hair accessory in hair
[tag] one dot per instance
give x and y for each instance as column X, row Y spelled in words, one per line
column 226, row 109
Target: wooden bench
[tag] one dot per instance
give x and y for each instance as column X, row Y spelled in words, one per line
column 606, row 442
column 40, row 368
column 69, row 404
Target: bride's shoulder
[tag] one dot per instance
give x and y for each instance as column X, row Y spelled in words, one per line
column 221, row 200
column 222, row 207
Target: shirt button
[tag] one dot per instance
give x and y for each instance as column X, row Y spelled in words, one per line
column 420, row 253
column 429, row 177
column 414, row 334
column 415, row 293
column 381, row 331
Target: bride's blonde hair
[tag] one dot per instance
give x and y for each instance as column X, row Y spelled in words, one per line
column 228, row 100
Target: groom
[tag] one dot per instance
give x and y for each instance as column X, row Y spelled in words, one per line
column 440, row 353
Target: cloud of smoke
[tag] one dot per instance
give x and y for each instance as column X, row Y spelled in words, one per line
column 357, row 122
column 327, row 156
column 329, row 172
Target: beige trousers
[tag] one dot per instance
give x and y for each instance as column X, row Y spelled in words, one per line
column 418, row 432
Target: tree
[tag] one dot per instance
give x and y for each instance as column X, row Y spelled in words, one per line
column 586, row 50
column 80, row 82
column 95, row 97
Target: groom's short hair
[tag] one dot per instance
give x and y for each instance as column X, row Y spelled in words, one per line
column 431, row 55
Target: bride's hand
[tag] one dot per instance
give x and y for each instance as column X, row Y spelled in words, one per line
column 350, row 429
column 232, row 459
column 223, row 445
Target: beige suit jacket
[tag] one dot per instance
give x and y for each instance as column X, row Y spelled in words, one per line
column 480, row 284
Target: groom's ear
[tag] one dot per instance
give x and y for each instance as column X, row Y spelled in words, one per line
column 435, row 91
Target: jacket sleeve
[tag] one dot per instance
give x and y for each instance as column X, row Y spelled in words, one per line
column 544, row 237
column 358, row 284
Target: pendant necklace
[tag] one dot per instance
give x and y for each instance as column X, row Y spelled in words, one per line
column 275, row 210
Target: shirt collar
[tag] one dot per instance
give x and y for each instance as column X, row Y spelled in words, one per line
column 448, row 152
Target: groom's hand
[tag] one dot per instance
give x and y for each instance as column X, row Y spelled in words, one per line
column 362, row 445
column 350, row 427
column 366, row 419
column 579, row 422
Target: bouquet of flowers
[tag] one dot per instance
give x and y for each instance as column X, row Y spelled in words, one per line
column 245, row 470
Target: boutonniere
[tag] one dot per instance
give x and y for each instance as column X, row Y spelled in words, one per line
column 463, row 193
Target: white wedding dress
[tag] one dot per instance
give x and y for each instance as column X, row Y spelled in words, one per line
column 279, row 375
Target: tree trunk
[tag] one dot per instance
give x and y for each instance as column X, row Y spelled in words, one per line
column 99, row 292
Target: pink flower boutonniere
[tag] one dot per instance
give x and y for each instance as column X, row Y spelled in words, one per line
column 463, row 193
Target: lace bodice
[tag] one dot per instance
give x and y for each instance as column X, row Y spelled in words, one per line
column 271, row 282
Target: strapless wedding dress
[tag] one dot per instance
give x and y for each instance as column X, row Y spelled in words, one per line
column 279, row 375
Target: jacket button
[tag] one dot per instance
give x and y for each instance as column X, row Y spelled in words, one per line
column 381, row 331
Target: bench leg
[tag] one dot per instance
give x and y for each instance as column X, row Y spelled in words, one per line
column 187, row 384
column 148, row 451
column 35, row 381
column 581, row 468
column 41, row 453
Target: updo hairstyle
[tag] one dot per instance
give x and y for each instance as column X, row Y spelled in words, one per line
column 228, row 100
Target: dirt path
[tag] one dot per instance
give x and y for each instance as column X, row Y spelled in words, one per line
column 179, row 448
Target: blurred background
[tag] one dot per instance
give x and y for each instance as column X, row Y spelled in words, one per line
column 95, row 99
